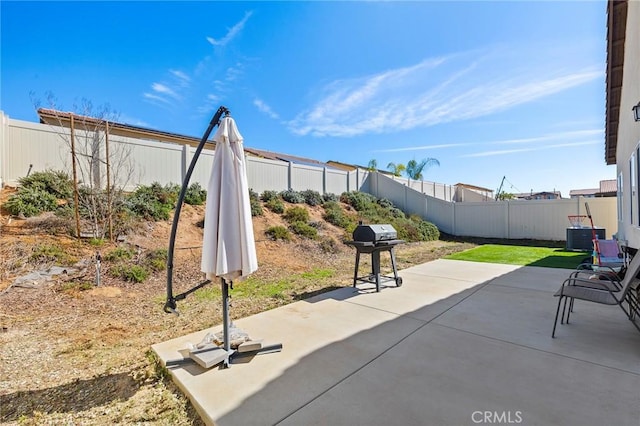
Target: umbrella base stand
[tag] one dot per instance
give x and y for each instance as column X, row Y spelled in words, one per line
column 249, row 348
column 216, row 355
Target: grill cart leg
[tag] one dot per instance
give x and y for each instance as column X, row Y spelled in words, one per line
column 395, row 270
column 355, row 274
column 375, row 267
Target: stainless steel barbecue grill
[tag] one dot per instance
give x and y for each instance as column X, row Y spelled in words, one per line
column 374, row 239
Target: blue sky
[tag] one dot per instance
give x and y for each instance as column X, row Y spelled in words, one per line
column 490, row 89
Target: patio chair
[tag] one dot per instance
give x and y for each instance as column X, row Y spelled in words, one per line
column 607, row 258
column 607, row 291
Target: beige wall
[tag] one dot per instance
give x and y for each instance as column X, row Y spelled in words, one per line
column 629, row 130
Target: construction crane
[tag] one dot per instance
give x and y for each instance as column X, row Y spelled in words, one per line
column 500, row 188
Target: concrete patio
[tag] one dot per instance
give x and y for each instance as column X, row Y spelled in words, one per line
column 460, row 343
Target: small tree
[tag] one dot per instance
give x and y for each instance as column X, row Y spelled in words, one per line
column 502, row 196
column 396, row 169
column 101, row 170
column 373, row 165
column 414, row 168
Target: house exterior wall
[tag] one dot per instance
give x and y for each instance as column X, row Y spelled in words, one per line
column 628, row 145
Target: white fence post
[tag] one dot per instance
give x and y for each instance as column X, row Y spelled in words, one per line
column 186, row 159
column 3, row 149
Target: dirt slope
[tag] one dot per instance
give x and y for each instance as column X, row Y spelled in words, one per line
column 82, row 356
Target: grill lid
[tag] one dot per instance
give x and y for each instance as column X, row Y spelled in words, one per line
column 374, row 233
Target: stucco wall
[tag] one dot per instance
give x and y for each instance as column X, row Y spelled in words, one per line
column 629, row 130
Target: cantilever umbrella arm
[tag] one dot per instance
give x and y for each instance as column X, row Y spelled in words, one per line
column 170, row 305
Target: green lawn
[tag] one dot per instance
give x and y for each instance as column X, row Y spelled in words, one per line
column 549, row 257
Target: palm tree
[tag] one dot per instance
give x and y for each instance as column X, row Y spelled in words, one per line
column 373, row 165
column 414, row 169
column 396, row 169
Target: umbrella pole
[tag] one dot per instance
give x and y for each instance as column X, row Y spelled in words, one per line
column 170, row 305
column 225, row 320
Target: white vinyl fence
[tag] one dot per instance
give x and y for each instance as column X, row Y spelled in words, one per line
column 26, row 146
column 512, row 219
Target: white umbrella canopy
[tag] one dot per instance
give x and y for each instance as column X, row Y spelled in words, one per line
column 228, row 248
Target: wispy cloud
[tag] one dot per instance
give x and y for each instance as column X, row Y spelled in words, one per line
column 163, row 89
column 552, row 136
column 424, row 147
column 434, row 91
column 263, row 107
column 210, row 103
column 567, row 138
column 182, row 78
column 531, row 149
column 180, row 87
column 168, row 92
column 154, row 97
column 232, row 33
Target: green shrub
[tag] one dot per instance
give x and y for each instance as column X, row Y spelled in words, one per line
column 256, row 207
column 131, row 273
column 330, row 197
column 429, row 231
column 312, row 198
column 384, row 203
column 278, row 233
column 358, row 200
column 156, row 260
column 292, row 196
column 407, row 230
column 119, row 254
column 275, row 205
column 195, row 195
column 296, row 214
column 96, row 242
column 328, row 245
column 55, row 182
column 153, row 202
column 51, row 253
column 269, row 195
column 304, row 229
column 334, row 214
column 396, row 212
column 29, row 202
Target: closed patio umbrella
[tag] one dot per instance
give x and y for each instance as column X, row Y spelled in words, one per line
column 228, row 250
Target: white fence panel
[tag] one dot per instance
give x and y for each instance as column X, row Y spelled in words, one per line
column 306, row 177
column 538, row 219
column 415, row 203
column 264, row 174
column 481, row 220
column 336, row 181
column 151, row 161
column 202, row 169
column 441, row 213
column 39, row 146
